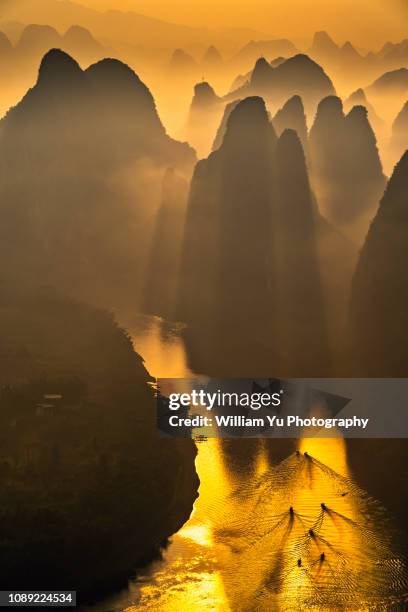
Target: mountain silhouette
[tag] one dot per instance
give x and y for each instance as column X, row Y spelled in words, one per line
column 380, row 291
column 399, row 140
column 20, row 62
column 79, row 36
column 261, row 74
column 212, row 57
column 247, row 56
column 58, row 72
column 94, row 148
column 203, row 118
column 204, row 98
column 302, row 314
column 365, row 181
column 126, row 26
column 225, row 278
column 182, row 62
column 37, row 39
column 278, row 61
column 5, row 45
column 324, row 48
column 223, row 125
column 240, row 81
column 359, row 98
column 12, row 28
column 244, row 79
column 393, row 82
column 390, row 90
column 80, row 42
column 122, row 94
column 394, row 55
column 350, row 67
column 292, row 116
column 164, row 260
column 349, row 54
column 252, row 245
column 298, row 75
column 346, row 168
column 326, row 143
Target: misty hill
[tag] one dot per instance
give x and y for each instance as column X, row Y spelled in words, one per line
column 204, row 117
column 395, row 81
column 390, row 91
column 247, row 56
column 359, row 98
column 90, row 151
column 244, row 79
column 12, row 29
column 298, row 75
column 38, row 39
column 332, row 55
column 349, row 53
column 324, row 48
column 253, row 249
column 181, row 61
column 78, row 435
column 19, row 63
column 350, row 66
column 80, row 42
column 347, row 176
column 379, row 345
column 204, row 98
column 222, row 128
column 5, row 45
column 292, row 116
column 399, row 140
column 212, row 57
column 394, row 55
column 240, row 81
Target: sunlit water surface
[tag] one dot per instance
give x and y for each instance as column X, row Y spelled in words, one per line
column 259, row 537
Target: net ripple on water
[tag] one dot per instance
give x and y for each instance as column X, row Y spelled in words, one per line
column 308, row 538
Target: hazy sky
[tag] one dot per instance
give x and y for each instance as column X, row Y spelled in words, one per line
column 364, row 21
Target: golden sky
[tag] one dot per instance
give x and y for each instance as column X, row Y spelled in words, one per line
column 366, row 22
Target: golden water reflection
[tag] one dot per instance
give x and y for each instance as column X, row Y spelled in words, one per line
column 259, row 537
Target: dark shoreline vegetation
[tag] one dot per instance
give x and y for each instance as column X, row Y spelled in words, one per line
column 252, row 250
column 89, row 491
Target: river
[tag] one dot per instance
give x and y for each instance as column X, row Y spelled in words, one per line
column 292, row 535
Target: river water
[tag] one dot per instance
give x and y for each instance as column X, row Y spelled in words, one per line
column 259, row 537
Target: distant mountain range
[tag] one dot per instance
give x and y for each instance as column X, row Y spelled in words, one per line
column 36, row 40
column 298, row 79
column 254, row 49
column 354, row 68
column 127, row 27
